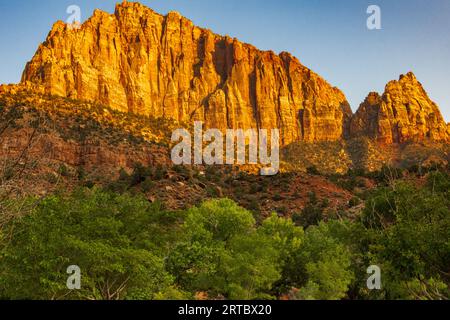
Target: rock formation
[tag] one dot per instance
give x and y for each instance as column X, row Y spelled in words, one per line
column 136, row 60
column 403, row 113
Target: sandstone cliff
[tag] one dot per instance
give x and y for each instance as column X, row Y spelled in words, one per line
column 403, row 113
column 136, row 60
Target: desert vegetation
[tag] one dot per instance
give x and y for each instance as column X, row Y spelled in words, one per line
column 129, row 248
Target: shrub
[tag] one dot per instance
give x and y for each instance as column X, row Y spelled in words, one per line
column 159, row 173
column 102, row 233
column 355, row 201
column 223, row 253
column 63, row 171
column 277, row 197
column 140, row 173
column 313, row 171
column 147, row 185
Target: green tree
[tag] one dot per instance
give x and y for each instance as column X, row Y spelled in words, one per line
column 287, row 238
column 325, row 263
column 106, row 235
column 413, row 245
column 223, row 254
column 312, row 213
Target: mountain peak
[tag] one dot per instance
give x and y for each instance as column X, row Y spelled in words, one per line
column 373, row 98
column 125, row 6
column 410, row 76
column 403, row 113
column 131, row 4
column 139, row 61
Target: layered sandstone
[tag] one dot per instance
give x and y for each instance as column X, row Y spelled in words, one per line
column 403, row 113
column 138, row 61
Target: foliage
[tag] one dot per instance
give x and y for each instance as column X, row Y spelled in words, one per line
column 325, row 263
column 413, row 226
column 312, row 213
column 107, row 236
column 223, row 254
column 128, row 248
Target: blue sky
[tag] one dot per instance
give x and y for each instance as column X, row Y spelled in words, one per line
column 327, row 36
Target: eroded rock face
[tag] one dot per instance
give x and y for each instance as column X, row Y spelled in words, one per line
column 139, row 61
column 403, row 113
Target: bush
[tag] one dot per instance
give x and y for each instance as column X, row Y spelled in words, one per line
column 223, row 254
column 312, row 213
column 412, row 225
column 159, row 173
column 147, row 185
column 325, row 264
column 63, row 171
column 312, row 171
column 102, row 233
column 355, row 201
column 277, row 197
column 140, row 173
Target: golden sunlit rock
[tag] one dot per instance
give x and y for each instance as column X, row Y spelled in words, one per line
column 136, row 60
column 403, row 113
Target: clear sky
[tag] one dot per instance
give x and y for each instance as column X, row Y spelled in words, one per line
column 328, row 36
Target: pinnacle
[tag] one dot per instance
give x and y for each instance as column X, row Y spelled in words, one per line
column 409, row 76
